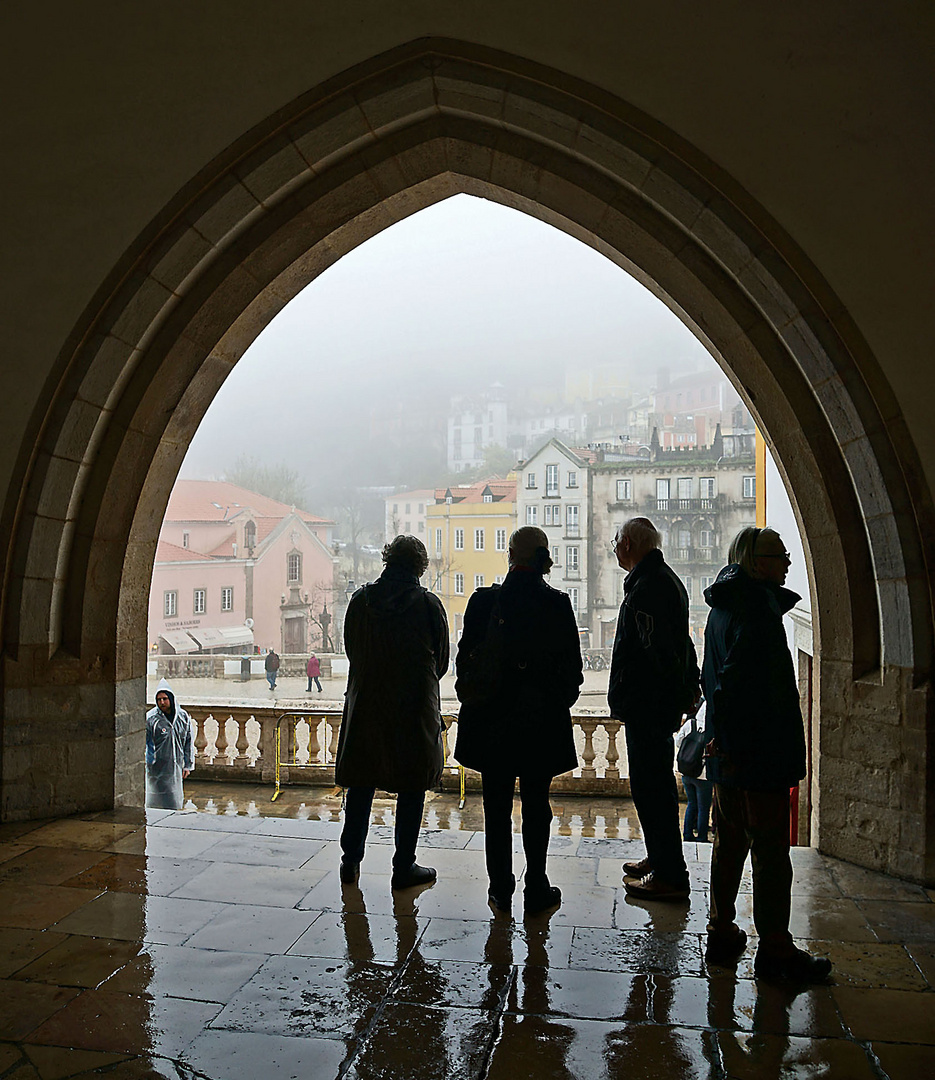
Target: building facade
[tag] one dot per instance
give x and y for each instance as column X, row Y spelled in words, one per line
column 475, row 424
column 405, row 513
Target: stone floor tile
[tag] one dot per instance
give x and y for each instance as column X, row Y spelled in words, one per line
column 745, row 1005
column 237, row 883
column 252, row 928
column 458, row 863
column 549, row 1048
column 247, row 1055
column 11, row 850
column 622, row 850
column 371, row 893
column 445, row 838
column 587, row 995
column 224, row 823
column 57, row 1062
column 299, row 829
column 144, row 1067
column 584, row 905
column 10, row 1055
column 166, row 843
column 639, row 951
column 440, row 1044
column 107, row 1021
column 307, row 996
column 861, row 884
column 906, row 922
column 80, row 961
column 888, row 1015
column 633, row 914
column 496, row 941
column 16, row 830
column 457, row 898
column 48, row 866
column 20, row 947
column 923, row 956
column 871, row 965
column 263, row 850
column 120, row 873
column 133, row 917
column 814, row 881
column 347, row 936
column 827, row 917
column 573, row 870
column 453, row 983
column 75, row 833
column 128, row 815
column 182, row 972
column 755, row 1057
column 27, row 1005
column 35, row 907
column 901, row 1062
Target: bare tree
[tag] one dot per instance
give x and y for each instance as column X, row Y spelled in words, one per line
column 276, row 481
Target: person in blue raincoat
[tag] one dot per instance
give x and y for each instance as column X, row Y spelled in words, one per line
column 168, row 750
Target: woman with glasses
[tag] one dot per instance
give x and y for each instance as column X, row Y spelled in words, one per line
column 756, row 756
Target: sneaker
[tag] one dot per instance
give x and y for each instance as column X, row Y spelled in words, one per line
column 637, row 870
column 415, row 875
column 725, row 947
column 349, row 871
column 798, row 966
column 540, row 900
column 652, row 888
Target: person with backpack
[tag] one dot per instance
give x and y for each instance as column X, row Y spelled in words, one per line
column 519, row 672
column 654, row 681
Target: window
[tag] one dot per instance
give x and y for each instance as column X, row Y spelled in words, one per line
column 170, row 603
column 688, row 587
column 749, row 487
column 684, row 537
column 185, row 539
column 479, row 539
column 438, row 581
column 408, row 508
column 198, row 602
column 573, row 597
column 438, row 539
column 571, row 520
column 624, row 490
column 706, row 487
column 532, row 515
column 500, row 540
column 547, row 514
column 685, row 487
column 662, row 493
column 249, row 534
column 571, row 559
column 395, row 508
column 555, row 559
column 530, row 480
column 499, row 579
column 488, row 498
column 706, row 538
column 293, row 568
column 706, row 583
column 407, row 527
column 478, row 581
column 459, row 539
column 421, row 508
column 551, row 480
column 459, row 584
column 572, row 478
column 421, row 526
column 227, row 598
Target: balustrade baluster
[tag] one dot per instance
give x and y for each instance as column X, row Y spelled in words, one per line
column 243, row 743
column 335, row 725
column 314, row 746
column 588, row 727
column 201, row 741
column 221, row 743
column 612, row 727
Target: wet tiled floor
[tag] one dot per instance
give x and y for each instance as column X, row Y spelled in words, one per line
column 218, row 942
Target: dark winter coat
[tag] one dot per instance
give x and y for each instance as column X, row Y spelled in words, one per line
column 272, row 661
column 654, row 669
column 527, row 729
column 750, row 685
column 396, row 638
column 313, row 667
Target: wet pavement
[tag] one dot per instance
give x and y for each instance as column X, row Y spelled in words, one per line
column 218, row 942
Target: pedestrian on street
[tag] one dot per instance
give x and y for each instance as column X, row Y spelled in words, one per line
column 396, row 639
column 757, row 754
column 272, row 667
column 168, row 751
column 654, row 681
column 519, row 672
column 313, row 670
column 699, row 791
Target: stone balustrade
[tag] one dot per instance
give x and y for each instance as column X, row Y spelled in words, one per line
column 239, row 743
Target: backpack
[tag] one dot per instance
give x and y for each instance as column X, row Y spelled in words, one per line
column 482, row 676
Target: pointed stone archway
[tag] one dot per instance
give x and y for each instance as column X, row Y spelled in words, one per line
column 292, row 196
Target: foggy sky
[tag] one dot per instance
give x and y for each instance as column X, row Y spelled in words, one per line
column 459, row 295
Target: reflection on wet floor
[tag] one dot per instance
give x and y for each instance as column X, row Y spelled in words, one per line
column 218, row 942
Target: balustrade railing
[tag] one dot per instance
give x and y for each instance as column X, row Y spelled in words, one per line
column 239, row 743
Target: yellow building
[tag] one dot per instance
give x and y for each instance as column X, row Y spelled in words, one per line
column 467, row 531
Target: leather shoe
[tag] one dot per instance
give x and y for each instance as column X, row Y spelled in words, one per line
column 501, row 901
column 539, row 900
column 349, row 871
column 637, row 870
column 415, row 875
column 798, row 966
column 652, row 888
column 725, row 947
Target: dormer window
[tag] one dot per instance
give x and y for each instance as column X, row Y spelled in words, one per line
column 249, row 535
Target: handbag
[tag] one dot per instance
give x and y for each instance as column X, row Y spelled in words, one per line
column 481, row 680
column 690, row 758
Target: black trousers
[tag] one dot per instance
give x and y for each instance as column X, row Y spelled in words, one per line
column 651, row 758
column 409, row 806
column 756, row 822
column 498, row 829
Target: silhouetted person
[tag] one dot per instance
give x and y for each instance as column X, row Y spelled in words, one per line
column 653, row 683
column 757, row 754
column 519, row 672
column 313, row 671
column 168, row 751
column 396, row 639
column 271, row 664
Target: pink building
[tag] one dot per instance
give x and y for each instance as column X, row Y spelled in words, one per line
column 236, row 569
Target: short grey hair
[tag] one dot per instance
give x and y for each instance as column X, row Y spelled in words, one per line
column 642, row 534
column 408, row 553
column 743, row 547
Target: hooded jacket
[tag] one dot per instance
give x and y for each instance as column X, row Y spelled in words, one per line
column 396, row 639
column 750, row 686
column 168, row 752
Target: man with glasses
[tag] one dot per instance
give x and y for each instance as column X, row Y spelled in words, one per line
column 756, row 756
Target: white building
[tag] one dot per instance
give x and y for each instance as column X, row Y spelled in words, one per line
column 473, row 425
column 405, row 513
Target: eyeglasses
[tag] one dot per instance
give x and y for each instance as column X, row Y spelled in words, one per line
column 784, row 555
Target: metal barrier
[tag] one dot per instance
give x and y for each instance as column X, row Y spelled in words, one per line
column 313, row 719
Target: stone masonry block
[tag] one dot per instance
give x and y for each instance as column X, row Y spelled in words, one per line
column 868, row 480
column 184, row 254
column 411, row 98
column 274, row 172
column 539, row 120
column 612, row 156
column 77, row 430
column 670, row 196
column 44, row 546
column 225, row 211
column 331, row 132
column 898, row 644
column 145, row 306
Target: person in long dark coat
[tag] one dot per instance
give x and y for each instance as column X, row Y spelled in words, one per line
column 396, row 639
column 520, row 637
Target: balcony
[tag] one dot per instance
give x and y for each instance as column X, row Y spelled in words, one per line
column 687, row 506
column 703, row 555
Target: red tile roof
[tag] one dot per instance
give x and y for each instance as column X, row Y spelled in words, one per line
column 217, row 500
column 502, row 491
column 166, row 552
